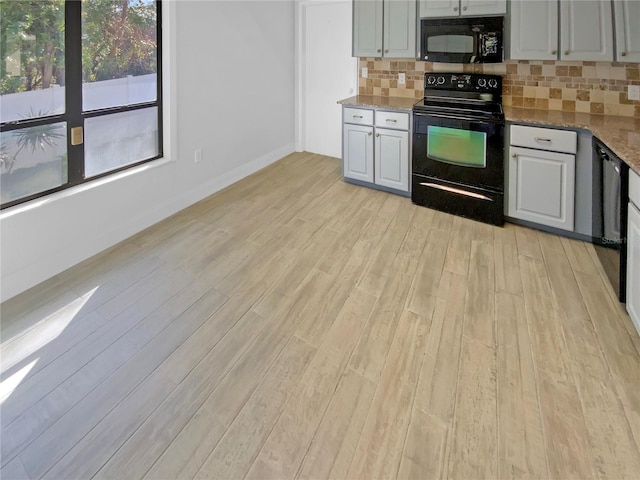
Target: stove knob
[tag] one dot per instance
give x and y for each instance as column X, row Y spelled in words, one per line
column 440, row 80
column 493, row 83
column 482, row 82
column 431, row 79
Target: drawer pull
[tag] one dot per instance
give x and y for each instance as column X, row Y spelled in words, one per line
column 369, row 133
column 541, row 139
column 553, row 52
column 392, row 120
column 357, row 116
column 377, row 134
column 624, row 54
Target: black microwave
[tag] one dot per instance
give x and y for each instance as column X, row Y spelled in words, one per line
column 462, row 40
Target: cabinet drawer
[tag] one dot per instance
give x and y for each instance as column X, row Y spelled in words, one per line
column 397, row 120
column 634, row 187
column 358, row 116
column 544, row 138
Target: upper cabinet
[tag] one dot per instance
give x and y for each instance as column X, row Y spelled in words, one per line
column 367, row 28
column 586, row 30
column 534, row 29
column 627, row 15
column 454, row 8
column 384, row 28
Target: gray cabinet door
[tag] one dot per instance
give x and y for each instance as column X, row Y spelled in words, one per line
column 586, row 30
column 483, row 7
column 399, row 40
column 627, row 15
column 367, row 28
column 633, row 265
column 357, row 152
column 542, row 187
column 534, row 29
column 392, row 159
column 453, row 8
column 439, row 8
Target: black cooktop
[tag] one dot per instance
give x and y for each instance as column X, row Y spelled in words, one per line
column 462, row 94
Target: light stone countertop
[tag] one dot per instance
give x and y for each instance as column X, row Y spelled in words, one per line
column 620, row 134
column 390, row 103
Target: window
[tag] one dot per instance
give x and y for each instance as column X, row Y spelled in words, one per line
column 80, row 92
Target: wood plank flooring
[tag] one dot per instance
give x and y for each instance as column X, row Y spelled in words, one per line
column 295, row 326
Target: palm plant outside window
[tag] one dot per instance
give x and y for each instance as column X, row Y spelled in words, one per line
column 80, row 92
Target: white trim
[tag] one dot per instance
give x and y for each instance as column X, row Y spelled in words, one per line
column 169, row 80
column 83, row 187
column 300, row 64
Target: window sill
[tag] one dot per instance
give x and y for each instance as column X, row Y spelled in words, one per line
column 69, row 192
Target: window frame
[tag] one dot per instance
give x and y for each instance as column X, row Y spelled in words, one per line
column 74, row 116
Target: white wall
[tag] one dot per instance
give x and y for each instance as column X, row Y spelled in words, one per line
column 231, row 93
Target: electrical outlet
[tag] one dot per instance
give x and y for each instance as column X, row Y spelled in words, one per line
column 365, row 72
column 633, row 92
column 197, row 157
column 401, row 79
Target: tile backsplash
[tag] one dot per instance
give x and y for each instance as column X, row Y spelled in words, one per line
column 591, row 87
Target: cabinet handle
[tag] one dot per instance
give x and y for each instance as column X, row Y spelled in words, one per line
column 455, row 9
column 369, row 133
column 392, row 120
column 357, row 116
column 464, row 8
column 514, row 155
column 386, row 51
column 379, row 50
column 566, row 52
column 377, row 134
column 554, row 52
column 624, row 54
column 540, row 139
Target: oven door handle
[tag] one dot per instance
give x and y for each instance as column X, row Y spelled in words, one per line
column 461, row 117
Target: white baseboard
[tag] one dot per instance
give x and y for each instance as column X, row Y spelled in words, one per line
column 229, row 178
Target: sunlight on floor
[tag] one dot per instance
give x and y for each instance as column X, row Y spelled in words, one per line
column 18, row 350
column 8, row 385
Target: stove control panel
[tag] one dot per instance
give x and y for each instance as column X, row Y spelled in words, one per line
column 469, row 82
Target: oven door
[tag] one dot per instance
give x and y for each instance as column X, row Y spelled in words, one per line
column 463, row 150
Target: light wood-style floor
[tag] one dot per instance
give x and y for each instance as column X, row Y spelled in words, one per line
column 295, row 326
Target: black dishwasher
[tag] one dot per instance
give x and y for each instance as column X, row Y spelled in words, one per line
column 610, row 195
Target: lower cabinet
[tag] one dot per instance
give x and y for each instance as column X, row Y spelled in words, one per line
column 357, row 152
column 375, row 153
column 541, row 187
column 392, row 159
column 633, row 250
column 542, row 173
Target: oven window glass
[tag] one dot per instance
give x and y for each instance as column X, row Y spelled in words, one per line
column 460, row 147
column 450, row 43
